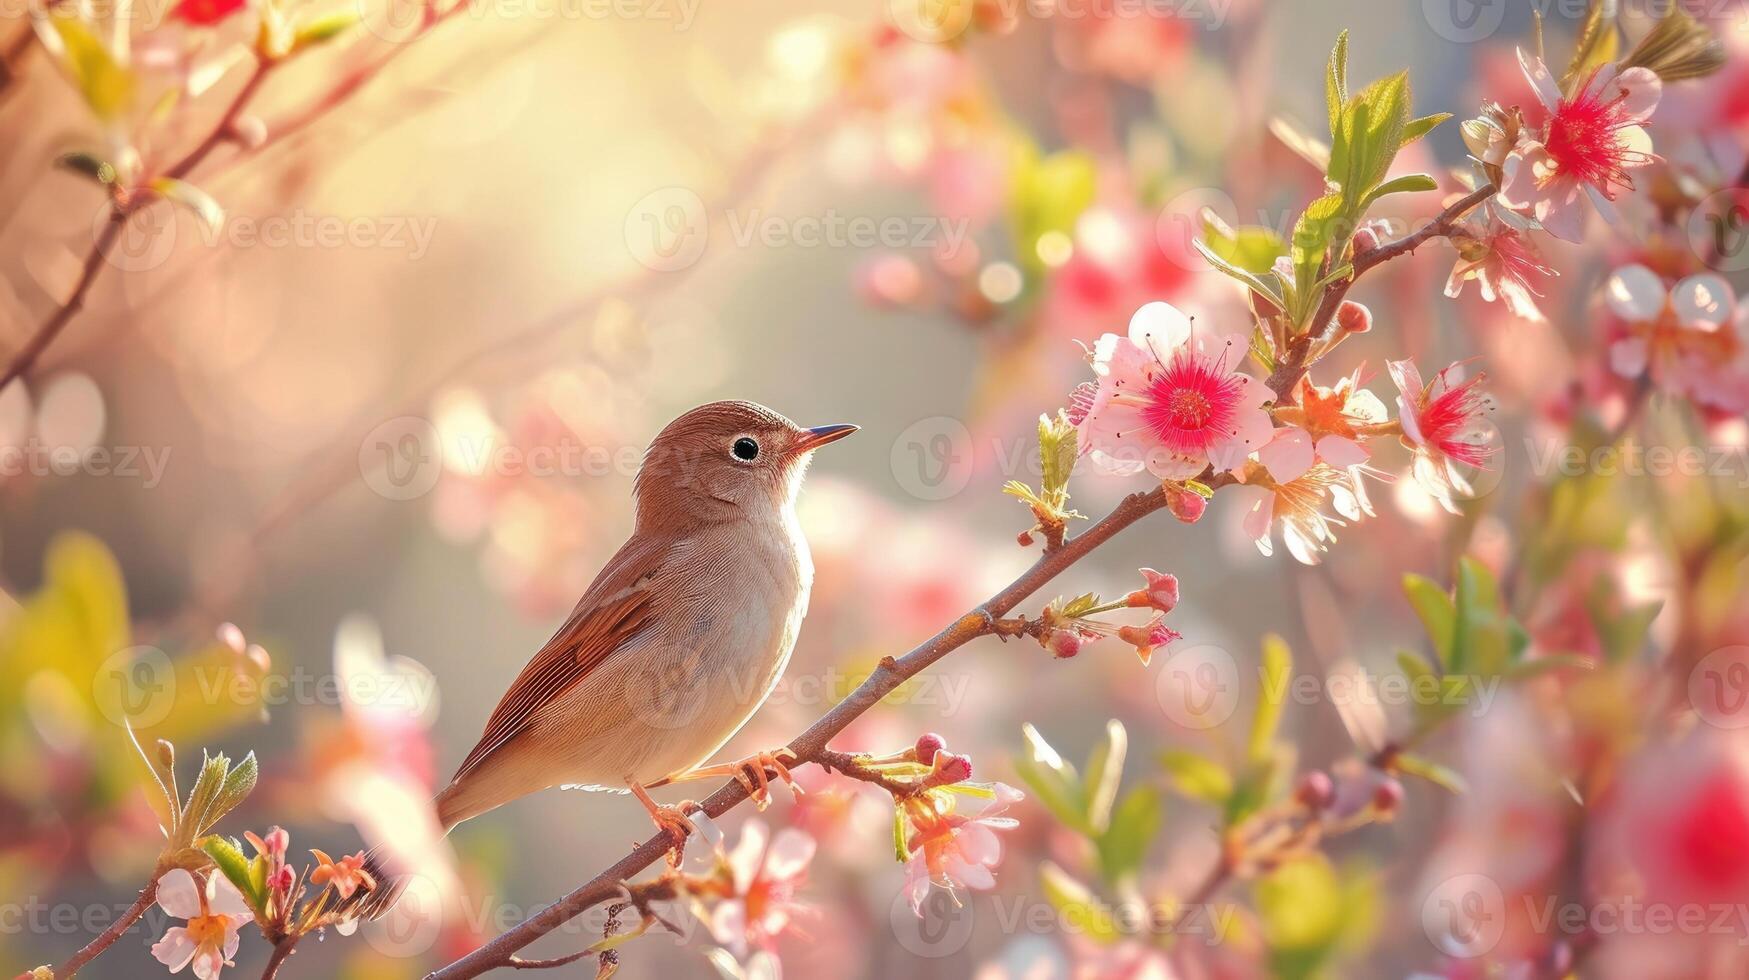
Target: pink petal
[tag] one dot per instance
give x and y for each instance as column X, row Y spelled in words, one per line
column 1288, row 456
column 1173, row 466
column 223, row 898
column 979, row 844
column 744, row 859
column 1342, row 452
column 974, row 876
column 208, row 964
column 1547, row 92
column 1643, row 89
column 178, row 895
column 175, row 949
column 1407, row 378
column 1411, row 426
column 790, row 852
column 1160, row 329
column 1254, row 430
column 1561, row 211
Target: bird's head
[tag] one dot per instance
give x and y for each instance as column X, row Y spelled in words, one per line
column 725, row 460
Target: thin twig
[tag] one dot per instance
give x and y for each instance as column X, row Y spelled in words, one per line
column 282, row 951
column 108, row 937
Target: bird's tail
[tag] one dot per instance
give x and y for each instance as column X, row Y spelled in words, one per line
column 464, row 799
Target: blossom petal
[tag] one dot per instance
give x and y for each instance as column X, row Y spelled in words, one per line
column 1641, row 89
column 178, row 895
column 1634, row 293
column 1342, row 452
column 1547, row 92
column 1253, row 430
column 1160, row 329
column 223, row 898
column 790, row 852
column 175, row 949
column 1289, row 455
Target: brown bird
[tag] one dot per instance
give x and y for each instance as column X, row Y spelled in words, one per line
column 679, row 639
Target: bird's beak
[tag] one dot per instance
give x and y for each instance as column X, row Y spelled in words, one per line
column 820, row 435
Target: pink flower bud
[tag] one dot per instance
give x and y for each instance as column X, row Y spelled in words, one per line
column 1387, row 797
column 950, row 768
column 1353, row 317
column 281, row 880
column 277, row 841
column 1315, row 791
column 928, row 745
column 1186, row 505
column 1366, row 238
column 1146, row 637
column 1160, row 592
column 1064, row 643
column 1024, row 539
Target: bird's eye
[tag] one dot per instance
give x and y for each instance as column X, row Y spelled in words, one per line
column 745, row 449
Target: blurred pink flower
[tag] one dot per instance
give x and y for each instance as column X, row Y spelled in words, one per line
column 1690, row 338
column 953, row 850
column 1166, row 407
column 1446, row 423
column 1297, row 506
column 759, row 880
column 1591, row 141
column 214, row 913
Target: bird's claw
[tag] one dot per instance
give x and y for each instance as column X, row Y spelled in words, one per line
column 751, row 774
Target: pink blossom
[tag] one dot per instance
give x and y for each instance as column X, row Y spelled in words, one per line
column 1325, row 426
column 1590, row 142
column 214, row 912
column 1297, row 508
column 1693, row 338
column 1167, row 407
column 1446, row 424
column 952, row 850
column 1503, row 263
column 759, row 880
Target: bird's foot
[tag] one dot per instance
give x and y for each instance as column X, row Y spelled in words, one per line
column 671, row 820
column 754, row 773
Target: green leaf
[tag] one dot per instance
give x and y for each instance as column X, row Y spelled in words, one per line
column 1406, row 184
column 1418, row 128
column 1597, row 43
column 320, row 30
column 1435, row 609
column 1134, row 823
column 197, row 201
column 228, row 856
column 1076, row 903
column 1104, row 772
column 1336, row 84
column 1198, row 777
column 1047, row 194
column 1278, row 663
column 1444, row 777
column 1053, row 781
column 1255, row 282
column 239, row 783
column 106, row 84
column 1375, row 124
column 1311, row 239
column 206, row 789
column 88, row 166
column 1253, row 248
column 1057, row 452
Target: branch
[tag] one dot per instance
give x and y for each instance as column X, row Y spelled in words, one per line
column 282, row 951
column 811, row 745
column 1291, row 369
column 108, row 937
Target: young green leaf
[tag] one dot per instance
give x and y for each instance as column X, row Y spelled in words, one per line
column 1406, row 184
column 1435, row 609
column 1277, row 666
column 229, row 859
column 1198, row 777
column 1104, row 772
column 1134, row 823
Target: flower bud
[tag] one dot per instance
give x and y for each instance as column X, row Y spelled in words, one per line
column 928, row 745
column 1315, row 790
column 1064, row 643
column 950, row 768
column 1387, row 798
column 1160, row 592
column 1024, row 539
column 1353, row 317
column 1366, row 238
column 1186, row 505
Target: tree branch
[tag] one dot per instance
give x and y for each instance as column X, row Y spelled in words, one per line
column 811, row 745
column 115, row 931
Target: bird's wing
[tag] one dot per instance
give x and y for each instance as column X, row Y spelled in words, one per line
column 616, row 607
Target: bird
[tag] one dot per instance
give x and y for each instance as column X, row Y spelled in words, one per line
column 679, row 639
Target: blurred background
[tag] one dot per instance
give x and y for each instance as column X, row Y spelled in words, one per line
column 380, row 417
